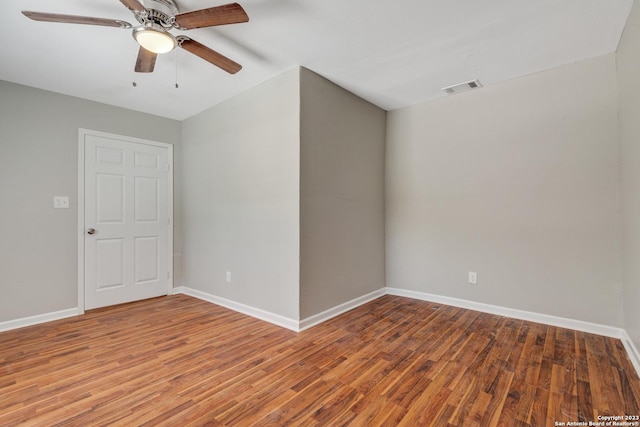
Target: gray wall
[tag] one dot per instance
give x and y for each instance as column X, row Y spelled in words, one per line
column 629, row 113
column 39, row 160
column 241, row 197
column 341, row 195
column 517, row 181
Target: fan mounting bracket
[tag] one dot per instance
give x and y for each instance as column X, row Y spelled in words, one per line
column 180, row 39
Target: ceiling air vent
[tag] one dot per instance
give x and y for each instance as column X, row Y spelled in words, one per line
column 462, row 87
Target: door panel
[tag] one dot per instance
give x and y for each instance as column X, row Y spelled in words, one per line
column 109, row 263
column 146, row 259
column 109, row 155
column 147, row 199
column 110, row 198
column 126, row 202
column 148, row 160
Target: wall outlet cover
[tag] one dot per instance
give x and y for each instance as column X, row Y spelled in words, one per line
column 473, row 278
column 61, row 202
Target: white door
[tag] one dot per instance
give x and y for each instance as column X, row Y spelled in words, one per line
column 127, row 231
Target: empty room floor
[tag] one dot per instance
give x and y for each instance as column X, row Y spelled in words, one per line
column 395, row 361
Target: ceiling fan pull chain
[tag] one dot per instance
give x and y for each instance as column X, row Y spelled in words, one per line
column 176, row 56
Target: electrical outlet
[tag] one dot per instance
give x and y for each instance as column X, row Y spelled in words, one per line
column 228, row 278
column 473, row 278
column 60, row 202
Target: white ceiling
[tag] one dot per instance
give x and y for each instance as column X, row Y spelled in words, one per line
column 392, row 53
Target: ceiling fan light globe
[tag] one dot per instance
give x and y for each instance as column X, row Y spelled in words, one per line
column 154, row 39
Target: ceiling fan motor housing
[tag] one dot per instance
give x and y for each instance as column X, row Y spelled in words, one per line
column 161, row 12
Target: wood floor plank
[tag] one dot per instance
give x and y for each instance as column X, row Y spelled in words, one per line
column 179, row 361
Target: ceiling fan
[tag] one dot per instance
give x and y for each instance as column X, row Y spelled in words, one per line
column 156, row 18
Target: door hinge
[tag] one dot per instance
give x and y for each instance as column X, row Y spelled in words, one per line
column 168, row 167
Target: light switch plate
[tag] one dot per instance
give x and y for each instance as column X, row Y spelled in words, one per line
column 61, row 202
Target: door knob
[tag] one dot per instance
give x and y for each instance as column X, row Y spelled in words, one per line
column 91, row 231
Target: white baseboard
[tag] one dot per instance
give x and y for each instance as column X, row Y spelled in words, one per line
column 276, row 319
column 37, row 319
column 298, row 326
column 578, row 325
column 563, row 322
column 632, row 351
column 177, row 290
column 339, row 309
column 258, row 313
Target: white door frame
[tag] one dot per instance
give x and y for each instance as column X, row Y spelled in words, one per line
column 81, row 226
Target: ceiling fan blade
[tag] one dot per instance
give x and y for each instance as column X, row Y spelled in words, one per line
column 146, row 61
column 210, row 55
column 74, row 19
column 231, row 13
column 133, row 5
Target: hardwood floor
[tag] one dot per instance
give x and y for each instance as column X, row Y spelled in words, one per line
column 177, row 361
